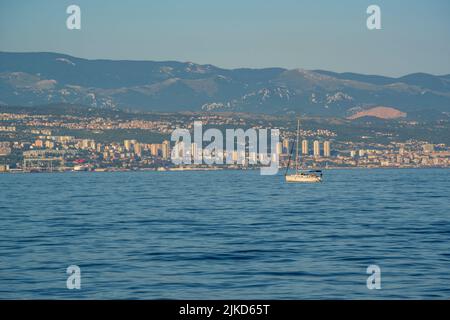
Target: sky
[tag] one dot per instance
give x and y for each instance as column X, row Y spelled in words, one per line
column 314, row 34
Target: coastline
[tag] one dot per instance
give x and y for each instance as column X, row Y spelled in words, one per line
column 201, row 169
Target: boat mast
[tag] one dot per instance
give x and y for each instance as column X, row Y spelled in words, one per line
column 296, row 150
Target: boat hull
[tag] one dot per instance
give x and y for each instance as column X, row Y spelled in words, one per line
column 307, row 178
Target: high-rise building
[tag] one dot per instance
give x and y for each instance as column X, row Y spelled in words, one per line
column 154, row 149
column 234, row 156
column 137, row 149
column 326, row 149
column 253, row 157
column 127, row 145
column 279, row 148
column 196, row 152
column 305, row 147
column 316, row 148
column 166, row 149
column 286, row 143
column 179, row 151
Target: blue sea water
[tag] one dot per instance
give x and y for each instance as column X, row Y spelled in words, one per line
column 225, row 235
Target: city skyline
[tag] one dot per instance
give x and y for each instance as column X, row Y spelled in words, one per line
column 32, row 143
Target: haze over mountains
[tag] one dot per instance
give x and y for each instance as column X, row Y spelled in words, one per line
column 30, row 79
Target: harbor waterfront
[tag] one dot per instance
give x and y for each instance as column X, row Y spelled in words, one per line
column 225, row 233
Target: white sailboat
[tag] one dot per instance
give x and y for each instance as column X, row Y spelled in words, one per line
column 300, row 175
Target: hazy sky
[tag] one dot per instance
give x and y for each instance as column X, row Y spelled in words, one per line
column 314, row 34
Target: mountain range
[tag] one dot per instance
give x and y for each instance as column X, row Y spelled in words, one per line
column 30, row 79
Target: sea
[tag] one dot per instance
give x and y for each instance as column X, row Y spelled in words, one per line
column 225, row 235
